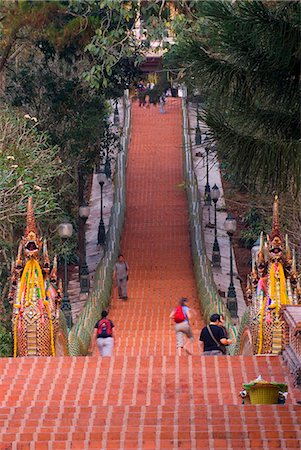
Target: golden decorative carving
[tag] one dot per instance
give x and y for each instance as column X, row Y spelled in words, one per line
column 35, row 297
column 273, row 282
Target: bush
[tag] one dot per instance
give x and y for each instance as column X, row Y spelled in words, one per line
column 6, row 342
column 255, row 224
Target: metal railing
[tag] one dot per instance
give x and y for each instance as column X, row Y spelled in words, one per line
column 210, row 300
column 81, row 332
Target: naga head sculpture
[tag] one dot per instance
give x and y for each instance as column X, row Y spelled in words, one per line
column 275, row 240
column 261, row 262
column 31, row 241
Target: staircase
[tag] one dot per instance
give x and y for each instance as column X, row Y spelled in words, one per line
column 145, row 396
column 139, row 402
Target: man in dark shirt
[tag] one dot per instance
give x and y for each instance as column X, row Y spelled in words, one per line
column 212, row 338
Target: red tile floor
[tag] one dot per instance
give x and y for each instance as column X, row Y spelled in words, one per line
column 146, row 397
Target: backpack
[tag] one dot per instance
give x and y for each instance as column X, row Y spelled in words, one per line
column 179, row 315
column 104, row 328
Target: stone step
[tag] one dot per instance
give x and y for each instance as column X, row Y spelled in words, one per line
column 132, row 380
column 241, row 426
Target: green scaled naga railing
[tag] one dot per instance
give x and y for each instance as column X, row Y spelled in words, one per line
column 210, row 300
column 81, row 332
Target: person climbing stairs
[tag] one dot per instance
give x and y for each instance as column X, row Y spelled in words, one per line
column 145, row 396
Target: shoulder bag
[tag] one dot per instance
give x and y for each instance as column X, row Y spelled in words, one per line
column 221, row 347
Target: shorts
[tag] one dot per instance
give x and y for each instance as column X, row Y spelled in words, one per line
column 182, row 329
column 105, row 346
column 213, row 353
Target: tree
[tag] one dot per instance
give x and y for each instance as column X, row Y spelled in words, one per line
column 244, row 57
column 29, row 166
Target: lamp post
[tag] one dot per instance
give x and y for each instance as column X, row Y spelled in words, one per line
column 107, row 168
column 198, row 133
column 230, row 227
column 216, row 255
column 116, row 114
column 207, row 194
column 65, row 231
column 83, row 213
column 101, row 236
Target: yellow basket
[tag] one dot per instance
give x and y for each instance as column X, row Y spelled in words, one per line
column 264, row 394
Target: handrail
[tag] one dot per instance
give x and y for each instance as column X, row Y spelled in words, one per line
column 209, row 298
column 80, row 334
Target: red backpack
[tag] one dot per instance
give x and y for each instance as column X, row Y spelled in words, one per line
column 104, row 328
column 179, row 315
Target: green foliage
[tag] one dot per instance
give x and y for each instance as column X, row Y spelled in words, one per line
column 53, row 91
column 245, row 57
column 5, row 342
column 113, row 42
column 254, row 221
column 29, row 166
column 109, row 142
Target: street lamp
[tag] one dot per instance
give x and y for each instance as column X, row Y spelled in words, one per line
column 101, row 236
column 198, row 133
column 107, row 168
column 207, row 195
column 230, row 227
column 65, row 231
column 83, row 213
column 116, row 114
column 216, row 255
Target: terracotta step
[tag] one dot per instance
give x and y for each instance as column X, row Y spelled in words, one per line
column 132, row 380
column 156, row 427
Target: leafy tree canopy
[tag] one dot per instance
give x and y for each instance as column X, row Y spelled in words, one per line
column 29, row 166
column 245, row 58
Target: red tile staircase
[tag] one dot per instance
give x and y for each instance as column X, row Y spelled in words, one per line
column 146, row 397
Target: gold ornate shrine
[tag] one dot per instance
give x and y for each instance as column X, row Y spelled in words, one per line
column 37, row 319
column 273, row 282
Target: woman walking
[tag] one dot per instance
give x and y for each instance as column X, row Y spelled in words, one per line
column 103, row 335
column 182, row 317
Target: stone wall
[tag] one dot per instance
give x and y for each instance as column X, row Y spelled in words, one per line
column 292, row 354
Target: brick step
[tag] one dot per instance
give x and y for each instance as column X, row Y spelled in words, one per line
column 130, row 442
column 134, row 380
column 153, row 427
column 168, row 444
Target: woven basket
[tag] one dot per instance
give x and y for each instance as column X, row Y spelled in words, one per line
column 265, row 394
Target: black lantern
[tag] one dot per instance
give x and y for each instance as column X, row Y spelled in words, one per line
column 230, row 227
column 83, row 213
column 207, row 194
column 65, row 231
column 198, row 133
column 101, row 236
column 216, row 255
column 116, row 114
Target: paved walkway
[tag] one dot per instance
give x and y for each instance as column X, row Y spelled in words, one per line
column 94, row 252
column 221, row 275
column 156, row 236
